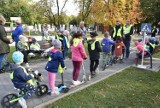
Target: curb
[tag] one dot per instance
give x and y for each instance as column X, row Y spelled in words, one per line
column 79, row 89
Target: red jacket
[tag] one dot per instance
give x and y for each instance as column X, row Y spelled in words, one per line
column 118, row 48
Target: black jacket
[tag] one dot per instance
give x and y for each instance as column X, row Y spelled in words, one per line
column 154, row 31
column 94, row 54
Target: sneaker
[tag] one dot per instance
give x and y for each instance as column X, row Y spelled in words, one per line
column 55, row 93
column 27, row 65
column 78, row 82
column 74, row 82
column 31, row 55
column 55, row 88
column 2, row 70
column 22, row 102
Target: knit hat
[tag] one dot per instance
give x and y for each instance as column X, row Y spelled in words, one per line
column 56, row 43
column 93, row 34
column 34, row 40
column 21, row 37
column 17, row 57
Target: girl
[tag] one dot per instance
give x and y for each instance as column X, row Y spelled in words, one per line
column 55, row 59
column 78, row 54
column 118, row 49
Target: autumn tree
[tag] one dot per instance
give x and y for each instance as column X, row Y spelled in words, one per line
column 108, row 11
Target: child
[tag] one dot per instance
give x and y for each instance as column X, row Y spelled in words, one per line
column 67, row 44
column 23, row 47
column 55, row 59
column 35, row 47
column 78, row 54
column 118, row 49
column 20, row 78
column 106, row 48
column 94, row 50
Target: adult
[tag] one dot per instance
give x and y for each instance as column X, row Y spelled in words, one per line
column 4, row 43
column 117, row 32
column 17, row 32
column 127, row 32
column 45, row 31
column 82, row 30
column 153, row 33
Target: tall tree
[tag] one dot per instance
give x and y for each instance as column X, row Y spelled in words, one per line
column 85, row 8
column 151, row 9
column 108, row 11
column 51, row 11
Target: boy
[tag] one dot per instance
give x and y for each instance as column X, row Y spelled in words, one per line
column 106, row 49
column 35, row 47
column 20, row 78
column 23, row 47
column 94, row 50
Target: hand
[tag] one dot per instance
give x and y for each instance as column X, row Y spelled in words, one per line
column 11, row 40
column 30, row 69
column 65, row 68
column 124, row 37
column 36, row 72
column 85, row 58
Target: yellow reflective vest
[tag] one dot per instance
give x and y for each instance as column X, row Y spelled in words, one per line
column 93, row 45
column 127, row 29
column 67, row 41
column 76, row 41
column 29, row 81
column 118, row 32
column 35, row 46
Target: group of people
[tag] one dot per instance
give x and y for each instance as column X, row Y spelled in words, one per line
column 118, row 44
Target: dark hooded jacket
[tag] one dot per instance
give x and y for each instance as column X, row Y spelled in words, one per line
column 94, row 54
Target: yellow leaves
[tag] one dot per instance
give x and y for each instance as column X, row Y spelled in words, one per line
column 112, row 10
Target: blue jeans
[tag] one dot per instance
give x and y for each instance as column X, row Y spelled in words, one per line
column 2, row 57
column 127, row 44
column 65, row 53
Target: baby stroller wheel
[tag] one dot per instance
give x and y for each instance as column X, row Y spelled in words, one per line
column 9, row 100
column 41, row 90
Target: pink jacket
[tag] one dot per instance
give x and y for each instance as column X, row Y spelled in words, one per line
column 78, row 52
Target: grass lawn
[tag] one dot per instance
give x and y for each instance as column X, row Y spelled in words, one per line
column 157, row 55
column 12, row 49
column 130, row 88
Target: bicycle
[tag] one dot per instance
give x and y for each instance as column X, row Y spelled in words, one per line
column 12, row 99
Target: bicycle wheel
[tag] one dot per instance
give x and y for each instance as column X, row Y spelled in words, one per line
column 41, row 90
column 9, row 100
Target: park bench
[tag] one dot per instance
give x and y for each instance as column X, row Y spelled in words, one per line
column 156, row 50
column 45, row 44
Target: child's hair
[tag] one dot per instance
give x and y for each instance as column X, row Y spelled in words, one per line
column 75, row 35
column 106, row 34
column 118, row 39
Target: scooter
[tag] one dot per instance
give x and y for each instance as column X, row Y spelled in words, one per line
column 84, row 77
column 61, row 87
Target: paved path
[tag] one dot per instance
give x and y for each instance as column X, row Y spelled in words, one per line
column 6, row 85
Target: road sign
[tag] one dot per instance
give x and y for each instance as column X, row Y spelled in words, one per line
column 145, row 27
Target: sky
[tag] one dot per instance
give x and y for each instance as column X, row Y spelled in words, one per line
column 70, row 8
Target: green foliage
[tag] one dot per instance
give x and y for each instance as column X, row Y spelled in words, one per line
column 130, row 88
column 151, row 9
column 17, row 8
